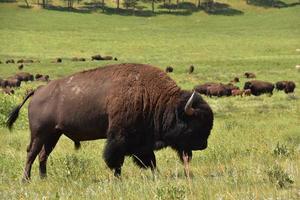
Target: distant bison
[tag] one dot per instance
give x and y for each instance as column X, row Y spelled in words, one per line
column 259, row 87
column 25, row 61
column 237, row 92
column 44, row 78
column 290, row 87
column 13, row 82
column 202, row 88
column 10, row 61
column 3, row 83
column 8, row 91
column 191, row 69
column 78, row 59
column 169, row 69
column 235, row 80
column 24, row 76
column 247, row 92
column 20, row 67
column 250, row 75
column 218, row 90
column 287, row 86
column 137, row 107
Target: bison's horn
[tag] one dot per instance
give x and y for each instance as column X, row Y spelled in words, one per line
column 188, row 107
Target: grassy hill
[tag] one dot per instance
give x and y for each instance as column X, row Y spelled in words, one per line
column 254, row 147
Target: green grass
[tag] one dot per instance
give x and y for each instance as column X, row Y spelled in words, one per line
column 254, row 147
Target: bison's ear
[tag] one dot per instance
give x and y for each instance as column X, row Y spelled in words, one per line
column 188, row 109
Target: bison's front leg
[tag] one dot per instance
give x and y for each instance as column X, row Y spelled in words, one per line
column 114, row 154
column 185, row 157
column 145, row 160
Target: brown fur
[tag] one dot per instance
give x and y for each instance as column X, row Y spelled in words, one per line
column 250, row 75
column 8, row 91
column 237, row 92
column 259, row 87
column 10, row 61
column 191, row 69
column 169, row 69
column 247, row 92
column 137, row 107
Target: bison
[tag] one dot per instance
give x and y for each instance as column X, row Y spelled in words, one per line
column 44, row 78
column 250, row 75
column 136, row 107
column 169, row 69
column 235, row 80
column 78, row 59
column 8, row 91
column 290, row 87
column 287, row 86
column 24, row 76
column 20, row 67
column 237, row 92
column 191, row 69
column 247, row 92
column 10, row 61
column 259, row 87
column 13, row 82
column 25, row 61
column 218, row 90
column 202, row 88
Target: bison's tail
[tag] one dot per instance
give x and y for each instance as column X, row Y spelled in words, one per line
column 13, row 115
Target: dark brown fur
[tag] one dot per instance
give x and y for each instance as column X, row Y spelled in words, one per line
column 24, row 76
column 218, row 90
column 250, row 75
column 10, row 61
column 202, row 88
column 191, row 69
column 259, row 87
column 137, row 107
column 169, row 69
column 13, row 82
column 8, row 91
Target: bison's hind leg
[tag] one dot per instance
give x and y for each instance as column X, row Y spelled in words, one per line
column 114, row 154
column 48, row 146
column 33, row 149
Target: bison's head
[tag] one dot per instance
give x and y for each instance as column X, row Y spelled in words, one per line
column 247, row 85
column 193, row 125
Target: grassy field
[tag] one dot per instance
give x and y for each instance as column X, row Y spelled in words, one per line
column 254, row 148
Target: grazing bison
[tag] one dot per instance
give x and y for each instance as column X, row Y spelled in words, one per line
column 13, row 82
column 44, row 78
column 137, row 107
column 218, row 90
column 191, row 69
column 58, row 60
column 115, row 58
column 25, row 61
column 287, row 86
column 8, row 91
column 235, row 80
column 290, row 87
column 259, row 87
column 20, row 67
column 78, row 59
column 99, row 57
column 3, row 83
column 237, row 92
column 169, row 69
column 10, row 61
column 250, row 75
column 202, row 88
column 24, row 76
column 247, row 92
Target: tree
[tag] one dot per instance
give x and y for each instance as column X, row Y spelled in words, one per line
column 27, row 4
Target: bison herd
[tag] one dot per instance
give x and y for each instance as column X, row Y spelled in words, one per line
column 14, row 81
column 252, row 87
